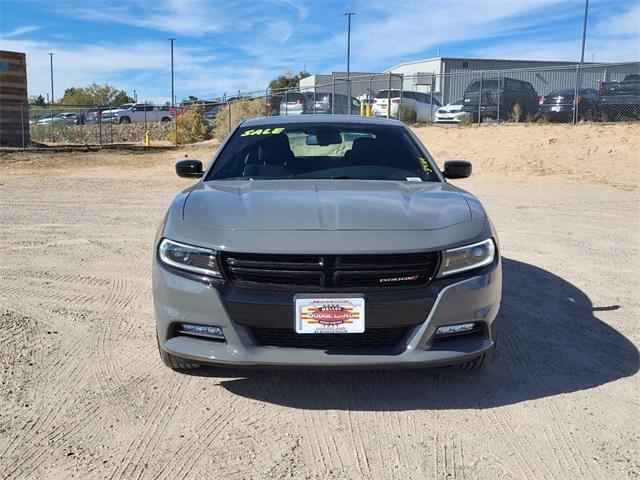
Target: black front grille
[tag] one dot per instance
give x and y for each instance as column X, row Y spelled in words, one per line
column 374, row 337
column 329, row 272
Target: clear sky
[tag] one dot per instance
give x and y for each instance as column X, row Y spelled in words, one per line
column 226, row 45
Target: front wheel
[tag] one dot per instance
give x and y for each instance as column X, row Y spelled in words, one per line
column 475, row 364
column 125, row 120
column 165, row 119
column 173, row 362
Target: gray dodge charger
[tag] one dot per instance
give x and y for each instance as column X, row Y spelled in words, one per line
column 325, row 241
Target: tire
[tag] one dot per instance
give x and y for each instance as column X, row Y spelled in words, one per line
column 175, row 363
column 165, row 119
column 124, row 120
column 475, row 364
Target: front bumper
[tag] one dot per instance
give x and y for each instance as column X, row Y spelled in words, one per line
column 455, row 117
column 474, row 298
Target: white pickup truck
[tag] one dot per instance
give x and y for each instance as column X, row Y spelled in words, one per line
column 137, row 113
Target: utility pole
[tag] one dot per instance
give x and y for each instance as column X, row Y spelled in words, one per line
column 51, row 65
column 584, row 29
column 173, row 98
column 584, row 39
column 348, row 15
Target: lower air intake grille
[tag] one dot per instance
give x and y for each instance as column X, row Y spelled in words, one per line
column 375, row 337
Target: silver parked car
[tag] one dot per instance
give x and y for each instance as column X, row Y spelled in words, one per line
column 325, row 241
column 452, row 112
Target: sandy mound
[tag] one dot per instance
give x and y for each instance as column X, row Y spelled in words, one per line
column 603, row 153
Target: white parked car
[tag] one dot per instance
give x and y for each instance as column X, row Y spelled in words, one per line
column 452, row 112
column 424, row 104
column 59, row 118
column 137, row 113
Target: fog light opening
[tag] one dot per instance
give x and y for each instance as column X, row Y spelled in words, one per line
column 455, row 329
column 204, row 331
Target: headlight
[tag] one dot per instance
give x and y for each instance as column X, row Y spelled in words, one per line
column 189, row 258
column 468, row 257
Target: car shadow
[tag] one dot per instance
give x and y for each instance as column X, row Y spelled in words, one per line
column 549, row 343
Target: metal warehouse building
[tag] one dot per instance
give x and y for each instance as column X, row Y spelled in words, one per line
column 14, row 123
column 447, row 78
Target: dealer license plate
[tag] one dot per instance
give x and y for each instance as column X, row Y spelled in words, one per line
column 322, row 315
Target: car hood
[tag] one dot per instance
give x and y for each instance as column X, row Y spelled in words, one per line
column 325, row 205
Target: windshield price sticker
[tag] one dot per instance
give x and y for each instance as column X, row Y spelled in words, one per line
column 329, row 315
column 263, row 131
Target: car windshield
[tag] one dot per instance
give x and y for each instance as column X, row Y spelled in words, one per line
column 385, row 94
column 323, row 151
column 460, row 101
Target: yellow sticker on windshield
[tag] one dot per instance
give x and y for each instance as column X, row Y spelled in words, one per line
column 263, row 131
column 425, row 165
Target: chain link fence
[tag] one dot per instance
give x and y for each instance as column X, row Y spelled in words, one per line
column 572, row 93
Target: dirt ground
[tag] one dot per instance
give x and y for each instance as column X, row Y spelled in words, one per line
column 84, row 395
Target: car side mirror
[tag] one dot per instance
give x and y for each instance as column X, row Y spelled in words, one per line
column 189, row 168
column 457, row 169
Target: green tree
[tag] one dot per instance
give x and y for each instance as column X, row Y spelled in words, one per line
column 95, row 94
column 287, row 80
column 36, row 100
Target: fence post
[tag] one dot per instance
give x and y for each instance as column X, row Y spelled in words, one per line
column 499, row 87
column 575, row 96
column 430, row 101
column 111, row 129
column 176, row 123
column 99, row 121
column 22, row 125
column 389, row 98
column 51, row 124
column 314, row 98
column 401, row 97
column 370, row 97
column 333, row 93
column 480, row 99
column 229, row 116
column 286, row 99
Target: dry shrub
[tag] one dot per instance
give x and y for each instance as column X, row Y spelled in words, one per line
column 240, row 110
column 192, row 127
column 516, row 113
column 466, row 121
column 408, row 114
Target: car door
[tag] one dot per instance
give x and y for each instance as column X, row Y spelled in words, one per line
column 137, row 113
column 434, row 106
column 423, row 107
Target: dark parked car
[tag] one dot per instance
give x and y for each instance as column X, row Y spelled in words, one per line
column 560, row 104
column 506, row 97
column 621, row 98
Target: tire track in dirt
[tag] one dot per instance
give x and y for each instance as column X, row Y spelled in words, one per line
column 46, row 415
column 158, row 417
column 107, row 334
column 359, row 448
column 234, row 417
column 560, row 444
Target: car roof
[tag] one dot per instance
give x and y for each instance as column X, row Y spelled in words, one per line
column 319, row 118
